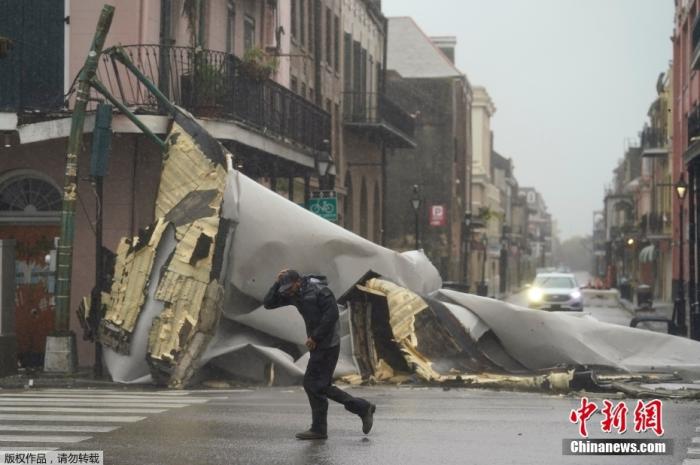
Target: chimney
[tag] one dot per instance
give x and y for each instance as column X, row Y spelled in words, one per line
column 447, row 45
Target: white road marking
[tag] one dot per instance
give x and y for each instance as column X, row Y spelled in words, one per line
column 189, row 400
column 695, row 440
column 47, row 438
column 691, row 462
column 77, row 418
column 80, row 410
column 107, row 392
column 694, row 451
column 86, row 403
column 60, row 428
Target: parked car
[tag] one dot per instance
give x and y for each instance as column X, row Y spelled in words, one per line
column 555, row 291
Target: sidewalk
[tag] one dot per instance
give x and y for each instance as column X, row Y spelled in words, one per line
column 37, row 378
column 660, row 308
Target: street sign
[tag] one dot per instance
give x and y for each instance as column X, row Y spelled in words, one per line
column 324, row 204
column 437, row 215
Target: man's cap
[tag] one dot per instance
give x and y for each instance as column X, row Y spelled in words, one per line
column 287, row 279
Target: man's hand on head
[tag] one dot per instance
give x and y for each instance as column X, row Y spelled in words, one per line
column 281, row 273
column 310, row 344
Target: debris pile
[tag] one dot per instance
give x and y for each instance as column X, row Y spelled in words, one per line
column 188, row 290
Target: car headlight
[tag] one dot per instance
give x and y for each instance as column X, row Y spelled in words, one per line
column 535, row 294
column 576, row 295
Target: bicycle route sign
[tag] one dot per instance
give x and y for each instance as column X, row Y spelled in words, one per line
column 325, row 205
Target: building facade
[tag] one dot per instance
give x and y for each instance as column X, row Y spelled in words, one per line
column 284, row 84
column 423, row 80
column 685, row 160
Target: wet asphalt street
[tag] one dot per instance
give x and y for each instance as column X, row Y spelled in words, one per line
column 412, row 426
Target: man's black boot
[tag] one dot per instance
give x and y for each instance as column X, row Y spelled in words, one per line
column 311, row 434
column 368, row 418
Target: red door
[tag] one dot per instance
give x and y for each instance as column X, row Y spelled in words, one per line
column 34, row 303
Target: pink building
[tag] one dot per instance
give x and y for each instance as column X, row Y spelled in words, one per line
column 281, row 83
column 275, row 134
column 686, row 157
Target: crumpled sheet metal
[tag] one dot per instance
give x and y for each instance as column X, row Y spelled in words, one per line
column 505, row 346
column 542, row 340
column 184, row 295
column 230, row 231
column 134, row 263
column 438, row 342
column 272, row 233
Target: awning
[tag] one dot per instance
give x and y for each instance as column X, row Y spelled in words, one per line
column 647, row 254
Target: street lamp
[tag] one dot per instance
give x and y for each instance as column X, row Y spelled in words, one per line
column 323, row 165
column 467, row 243
column 679, row 304
column 482, row 289
column 415, row 202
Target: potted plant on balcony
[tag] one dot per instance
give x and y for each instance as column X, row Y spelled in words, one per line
column 258, row 65
column 203, row 88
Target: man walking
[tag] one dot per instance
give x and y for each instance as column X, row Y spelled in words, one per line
column 316, row 304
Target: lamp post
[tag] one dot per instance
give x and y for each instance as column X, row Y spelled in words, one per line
column 415, row 203
column 679, row 304
column 482, row 289
column 323, row 165
column 467, row 243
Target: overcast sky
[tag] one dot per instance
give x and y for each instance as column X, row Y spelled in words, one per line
column 572, row 81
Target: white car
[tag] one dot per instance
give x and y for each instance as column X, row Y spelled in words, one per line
column 555, row 291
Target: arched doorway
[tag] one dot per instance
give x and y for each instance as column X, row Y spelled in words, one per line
column 30, row 213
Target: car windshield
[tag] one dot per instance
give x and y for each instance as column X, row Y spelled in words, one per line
column 558, row 282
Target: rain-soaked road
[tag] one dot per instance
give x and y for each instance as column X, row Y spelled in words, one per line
column 413, row 426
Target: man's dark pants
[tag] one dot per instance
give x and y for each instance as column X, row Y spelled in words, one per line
column 318, row 386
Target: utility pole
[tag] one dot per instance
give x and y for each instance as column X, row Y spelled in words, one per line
column 60, row 353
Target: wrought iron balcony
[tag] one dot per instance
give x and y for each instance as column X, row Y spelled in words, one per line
column 695, row 41
column 654, row 225
column 218, row 85
column 371, row 111
column 693, row 149
column 654, row 142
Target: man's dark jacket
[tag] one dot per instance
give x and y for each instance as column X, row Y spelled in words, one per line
column 317, row 306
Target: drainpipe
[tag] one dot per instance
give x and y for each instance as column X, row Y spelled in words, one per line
column 382, row 90
column 318, row 95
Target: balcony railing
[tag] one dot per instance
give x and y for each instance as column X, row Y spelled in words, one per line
column 217, row 85
column 375, row 110
column 653, row 141
column 653, row 224
column 693, row 123
column 695, row 42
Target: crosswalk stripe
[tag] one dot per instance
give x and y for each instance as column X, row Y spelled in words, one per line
column 86, row 403
column 68, row 418
column 189, row 400
column 109, row 391
column 80, row 410
column 60, row 428
column 42, row 438
column 693, row 450
column 695, row 440
column 691, row 462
